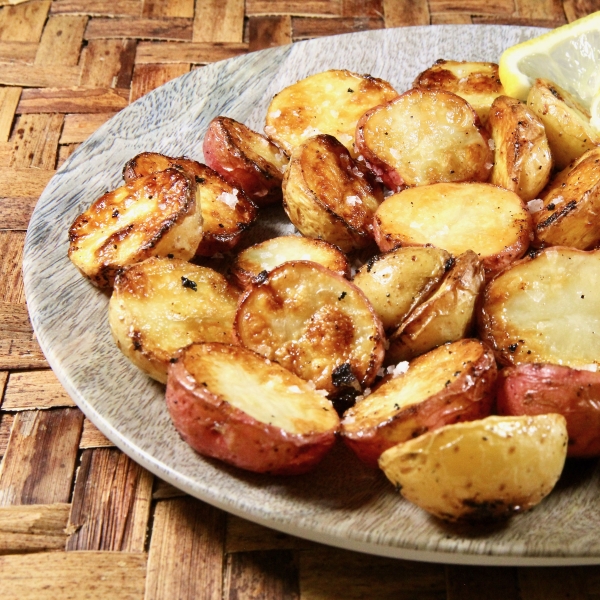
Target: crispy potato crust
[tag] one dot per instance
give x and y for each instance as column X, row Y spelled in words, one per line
column 327, row 195
column 481, row 470
column 491, row 221
column 566, row 122
column 545, row 309
column 571, row 206
column 396, row 282
column 245, row 159
column 226, row 211
column 252, row 264
column 161, row 305
column 423, row 137
column 449, row 384
column 330, row 102
column 523, row 162
column 229, row 403
column 477, row 82
column 446, row 316
column 154, row 215
column 314, row 323
column 537, row 389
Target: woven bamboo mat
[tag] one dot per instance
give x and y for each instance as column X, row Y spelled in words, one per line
column 78, row 519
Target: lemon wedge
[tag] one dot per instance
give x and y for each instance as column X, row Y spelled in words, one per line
column 569, row 56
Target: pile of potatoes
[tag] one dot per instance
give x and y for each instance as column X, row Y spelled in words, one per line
column 439, row 312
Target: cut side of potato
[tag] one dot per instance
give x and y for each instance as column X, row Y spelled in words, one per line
column 480, row 470
column 398, row 281
column 477, row 82
column 538, row 389
column 330, row 102
column 423, row 137
column 571, row 205
column 566, row 121
column 314, row 323
column 161, row 305
column 491, row 221
column 156, row 215
column 446, row 316
column 545, row 309
column 253, row 264
column 449, row 384
column 245, row 159
column 226, row 211
column 523, row 162
column 231, row 404
column 327, row 195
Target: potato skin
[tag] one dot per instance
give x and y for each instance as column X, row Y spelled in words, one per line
column 482, row 470
column 245, row 159
column 215, row 427
column 466, row 395
column 538, row 389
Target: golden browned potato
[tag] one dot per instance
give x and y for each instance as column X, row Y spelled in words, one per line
column 422, row 137
column 315, row 323
column 161, row 305
column 523, row 161
column 477, row 82
column 449, row 384
column 539, row 389
column 245, row 159
column 491, row 221
column 545, row 309
column 397, row 281
column 252, row 264
column 446, row 316
column 330, row 102
column 327, row 195
column 156, row 215
column 571, row 205
column 566, row 121
column 226, row 211
column 480, row 470
column 231, row 404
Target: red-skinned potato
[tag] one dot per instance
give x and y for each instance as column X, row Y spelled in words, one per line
column 423, row 137
column 245, row 159
column 537, row 389
column 230, row 403
column 449, row 384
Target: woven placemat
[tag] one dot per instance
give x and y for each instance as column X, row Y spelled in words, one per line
column 79, row 519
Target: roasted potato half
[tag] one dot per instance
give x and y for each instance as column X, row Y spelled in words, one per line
column 569, row 216
column 480, row 470
column 449, row 384
column 327, row 195
column 226, row 210
column 446, row 316
column 477, row 82
column 161, row 305
column 491, row 221
column 423, row 137
column 245, row 159
column 566, row 121
column 252, row 264
column 231, row 404
column 523, row 162
column 156, row 215
column 396, row 282
column 538, row 389
column 545, row 309
column 330, row 102
column 315, row 323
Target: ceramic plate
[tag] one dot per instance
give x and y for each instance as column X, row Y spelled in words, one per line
column 342, row 503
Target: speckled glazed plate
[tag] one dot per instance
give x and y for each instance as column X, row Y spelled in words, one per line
column 342, row 503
